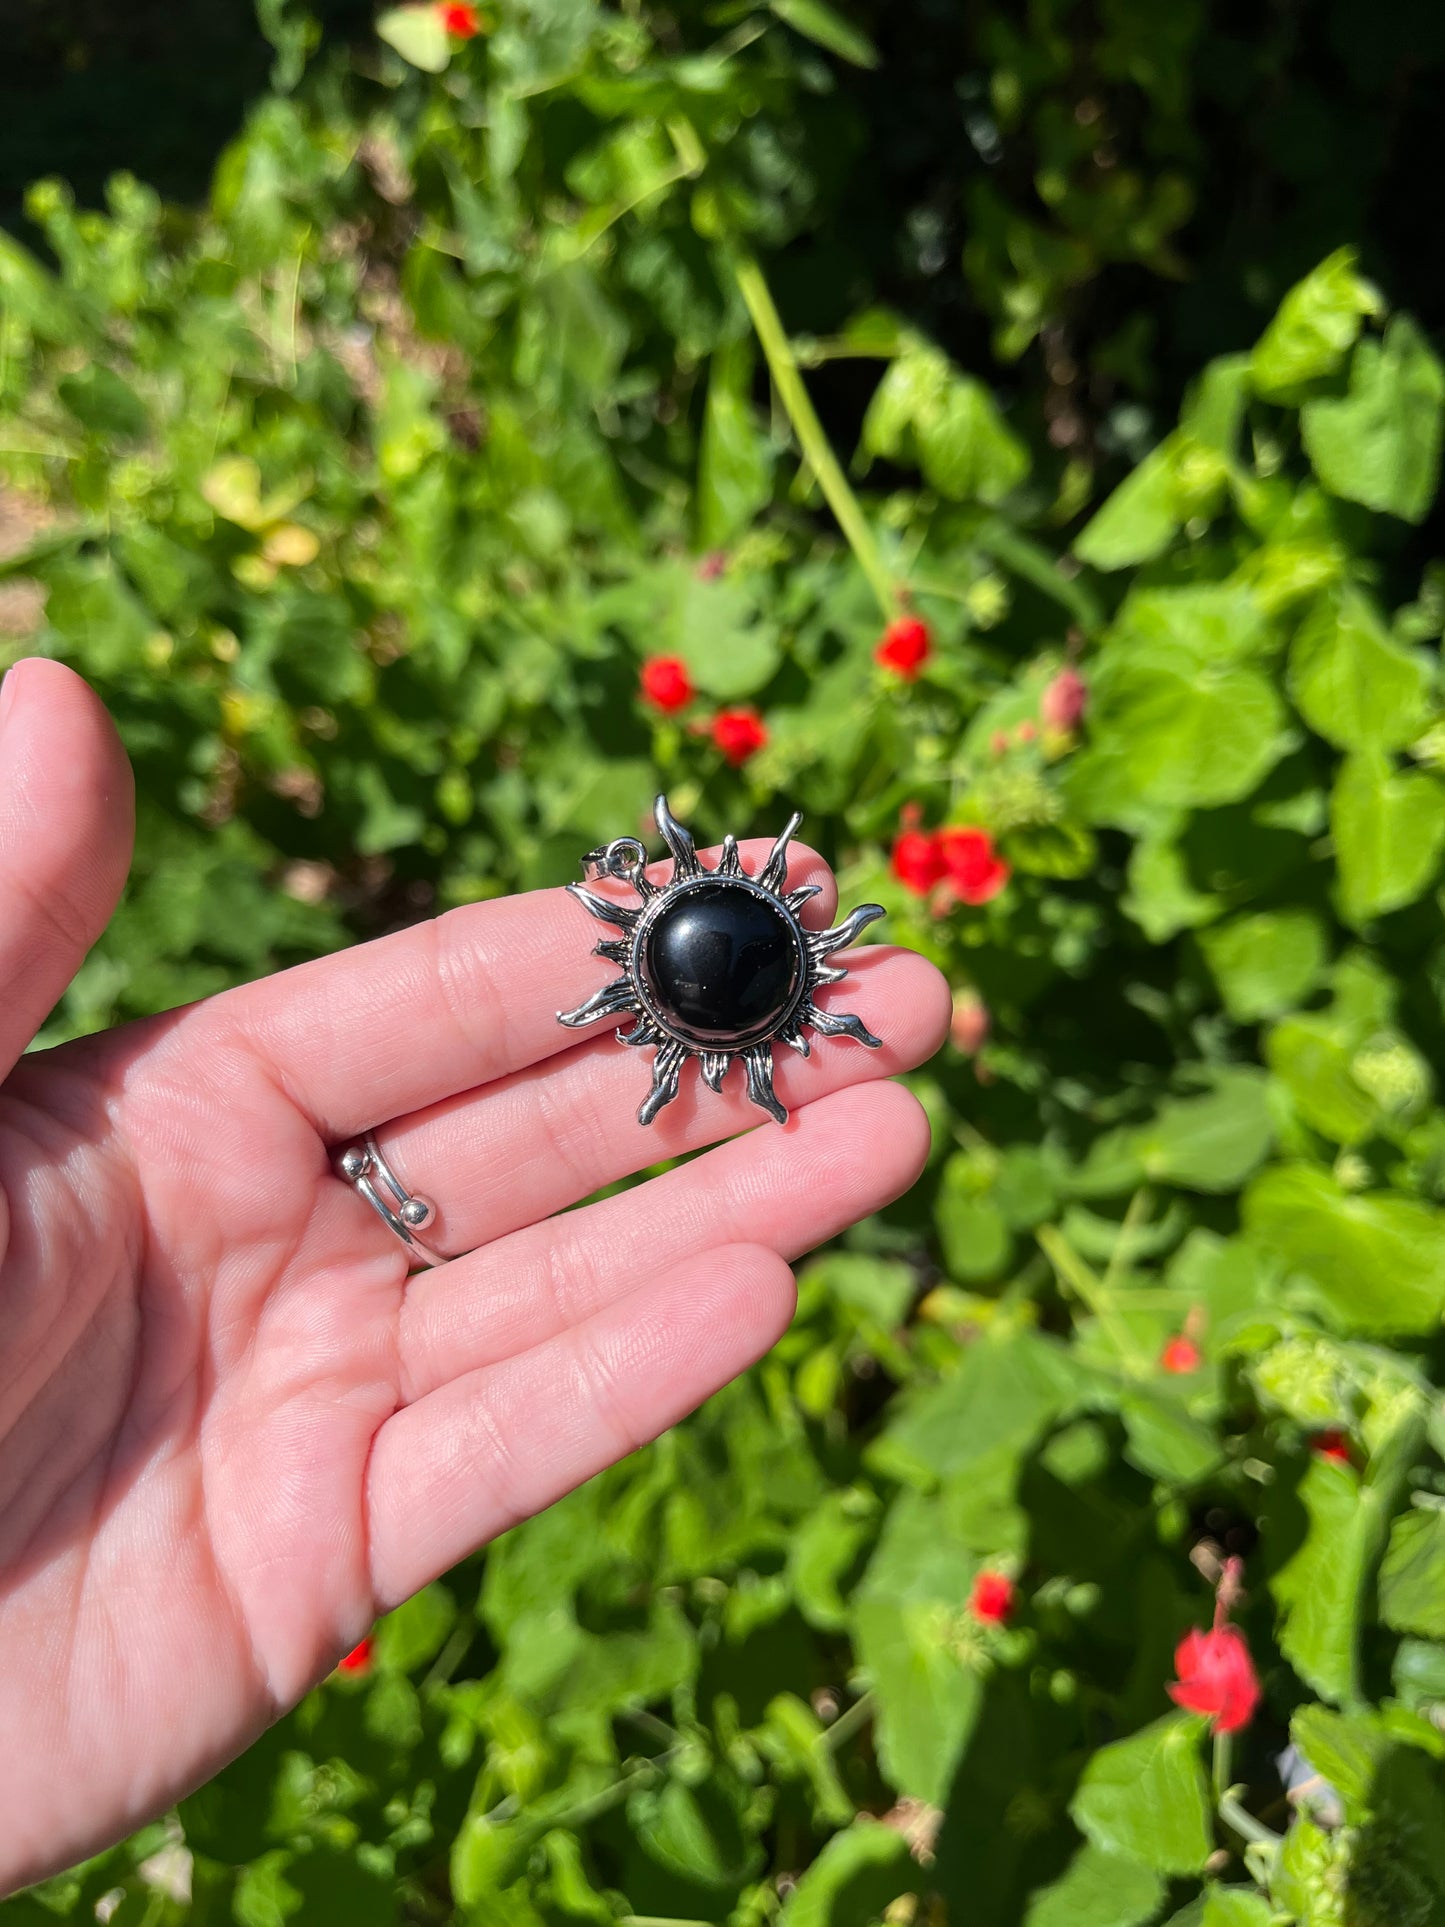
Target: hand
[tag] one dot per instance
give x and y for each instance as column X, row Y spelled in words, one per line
column 232, row 1431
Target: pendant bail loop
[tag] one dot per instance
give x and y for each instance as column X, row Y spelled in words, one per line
column 623, row 859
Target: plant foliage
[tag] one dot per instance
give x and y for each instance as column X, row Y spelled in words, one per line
column 361, row 494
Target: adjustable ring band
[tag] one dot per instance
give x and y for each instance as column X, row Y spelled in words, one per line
column 361, row 1165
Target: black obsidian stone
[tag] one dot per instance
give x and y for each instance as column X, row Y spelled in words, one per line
column 722, row 964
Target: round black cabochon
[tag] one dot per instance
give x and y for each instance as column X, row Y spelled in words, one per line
column 722, row 964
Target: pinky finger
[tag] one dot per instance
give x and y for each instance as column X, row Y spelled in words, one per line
column 496, row 1445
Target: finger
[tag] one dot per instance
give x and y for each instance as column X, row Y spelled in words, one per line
column 389, row 1026
column 847, row 1156
column 67, row 820
column 495, row 1446
column 541, row 1139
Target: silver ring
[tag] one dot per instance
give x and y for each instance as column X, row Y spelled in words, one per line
column 360, row 1164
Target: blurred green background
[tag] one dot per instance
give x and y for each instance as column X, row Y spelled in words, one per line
column 375, row 405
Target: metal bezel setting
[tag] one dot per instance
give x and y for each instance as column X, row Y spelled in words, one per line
column 633, row 995
column 664, row 902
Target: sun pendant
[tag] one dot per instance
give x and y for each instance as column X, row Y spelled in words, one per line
column 715, row 963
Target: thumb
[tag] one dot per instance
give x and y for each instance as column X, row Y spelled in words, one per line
column 67, row 820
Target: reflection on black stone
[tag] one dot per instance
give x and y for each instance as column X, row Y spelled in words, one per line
column 722, row 964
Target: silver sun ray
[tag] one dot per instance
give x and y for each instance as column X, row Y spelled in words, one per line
column 666, row 1074
column 775, row 870
column 759, row 1060
column 715, row 964
column 684, row 856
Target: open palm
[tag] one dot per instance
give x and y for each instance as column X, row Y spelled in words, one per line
column 232, row 1430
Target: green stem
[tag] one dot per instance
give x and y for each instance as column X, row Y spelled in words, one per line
column 660, row 1920
column 1073, row 1272
column 650, row 1723
column 450, row 1657
column 592, row 1809
column 812, row 439
column 1223, row 1748
column 1119, row 1257
column 1239, row 1820
column 846, row 1724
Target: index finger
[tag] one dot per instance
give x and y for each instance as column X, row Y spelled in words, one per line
column 407, row 1020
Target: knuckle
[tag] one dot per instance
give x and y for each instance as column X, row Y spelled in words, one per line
column 602, row 1390
column 468, row 987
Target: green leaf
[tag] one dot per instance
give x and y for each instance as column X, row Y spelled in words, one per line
column 1098, row 1889
column 487, row 1856
column 1418, row 1674
column 975, row 1237
column 734, row 478
column 881, row 1288
column 1319, row 1590
column 1380, row 444
column 103, row 403
column 1160, row 898
column 829, row 29
column 1347, row 1749
column 697, row 1832
column 904, row 1614
column 294, row 33
column 1385, row 1768
column 1212, row 1142
column 264, row 1896
column 1310, row 1875
column 1267, row 963
column 1306, row 1376
column 1004, row 1393
column 1178, row 718
column 858, row 1873
column 822, row 1551
column 1389, row 830
column 33, row 296
column 731, row 649
column 1204, row 624
column 966, row 451
column 1375, row 1263
column 925, row 410
column 1060, row 849
column 1181, row 478
column 1352, row 684
column 415, row 1633
column 1307, row 1055
column 1236, row 1907
column 1146, row 1797
column 1164, row 1441
column 568, row 1888
column 1412, row 1575
column 418, row 34
column 1317, row 324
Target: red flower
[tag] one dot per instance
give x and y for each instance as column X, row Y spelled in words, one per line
column 917, row 861
column 970, row 1026
column 712, row 565
column 1064, row 702
column 461, row 21
column 1180, row 1356
column 976, row 872
column 1332, row 1445
column 992, row 1598
column 358, row 1660
column 739, row 734
column 666, row 683
column 1216, row 1676
column 907, row 644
